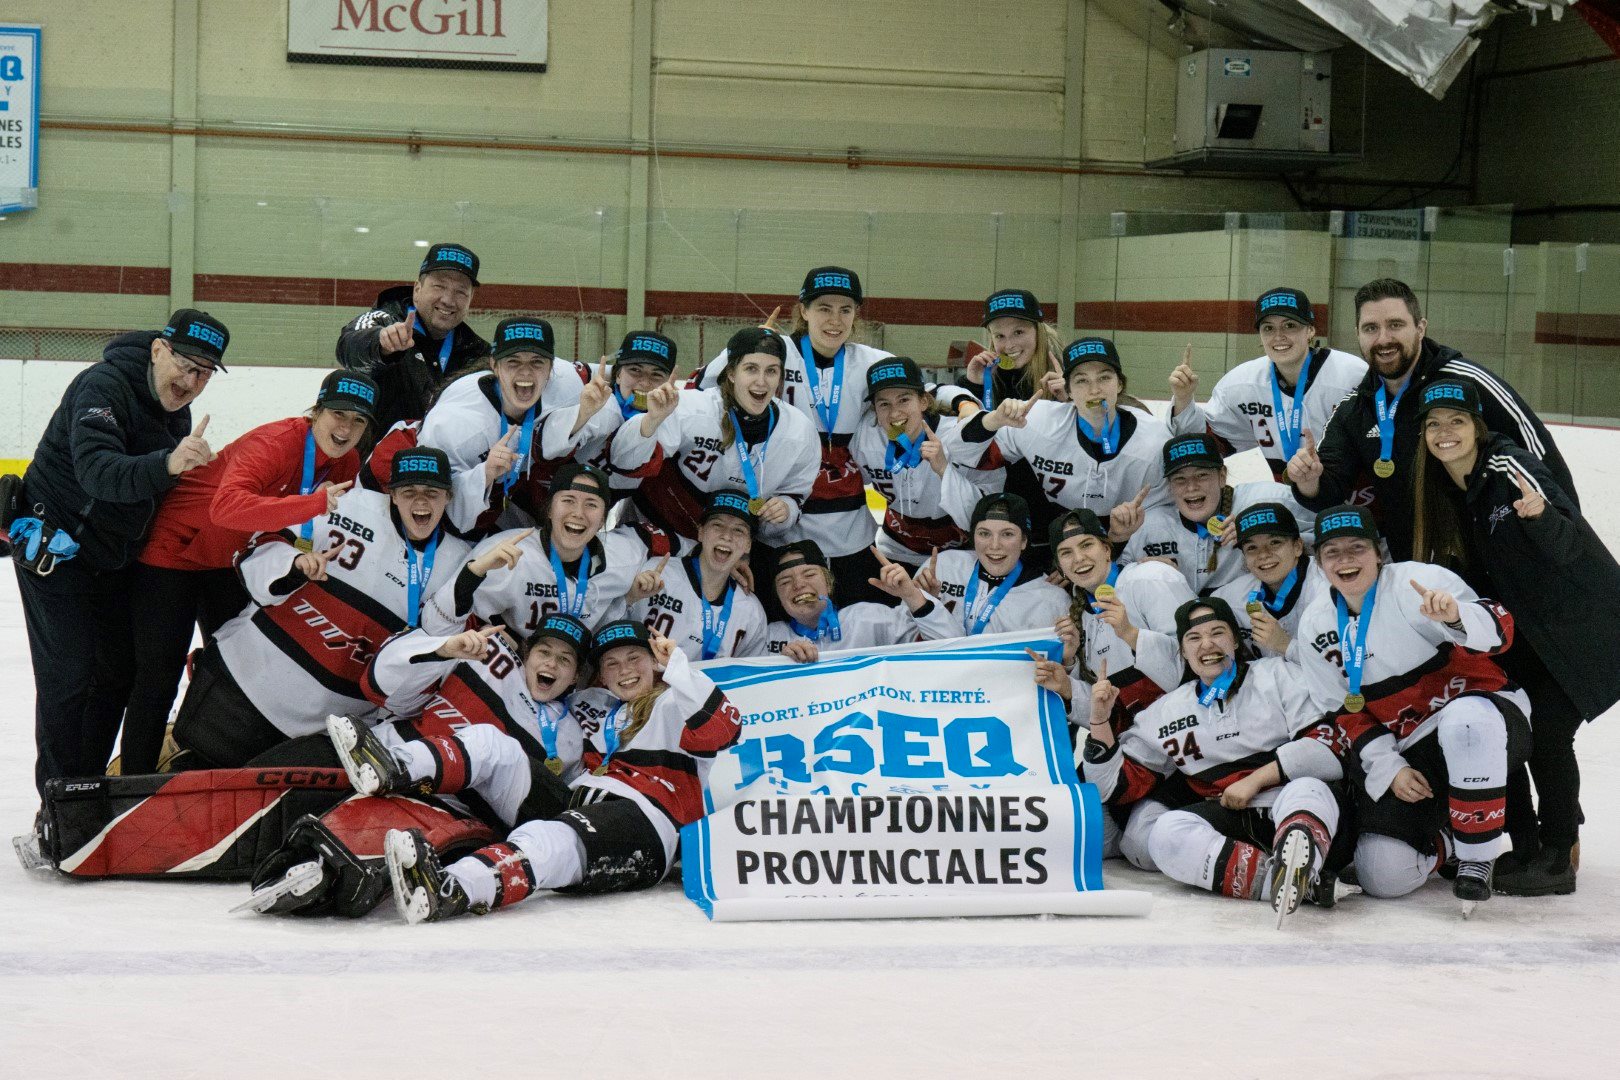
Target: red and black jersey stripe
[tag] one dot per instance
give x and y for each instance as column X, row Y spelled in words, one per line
column 669, row 779
column 671, row 501
column 1210, row 782
column 923, row 535
column 1401, row 703
column 713, row 727
column 331, row 630
column 839, row 485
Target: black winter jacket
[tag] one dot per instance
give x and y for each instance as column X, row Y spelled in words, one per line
column 1351, row 444
column 406, row 381
column 102, row 464
column 1552, row 573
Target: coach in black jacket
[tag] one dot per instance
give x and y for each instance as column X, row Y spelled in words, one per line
column 117, row 443
column 416, row 338
column 1352, row 455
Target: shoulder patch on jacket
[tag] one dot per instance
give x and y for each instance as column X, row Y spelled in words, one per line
column 100, row 412
column 373, row 319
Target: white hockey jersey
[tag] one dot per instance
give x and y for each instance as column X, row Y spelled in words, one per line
column 676, row 611
column 1267, row 716
column 300, row 651
column 663, row 765
column 1204, row 561
column 868, row 626
column 465, row 422
column 1413, row 665
column 1151, row 593
column 1033, row 603
column 925, row 510
column 835, row 514
column 1310, row 585
column 785, row 465
column 1240, row 408
column 523, row 596
column 440, row 697
column 1072, row 470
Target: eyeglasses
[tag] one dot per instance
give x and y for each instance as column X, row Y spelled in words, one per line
column 190, row 367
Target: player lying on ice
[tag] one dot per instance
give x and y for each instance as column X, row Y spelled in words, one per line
column 645, row 737
column 1239, row 763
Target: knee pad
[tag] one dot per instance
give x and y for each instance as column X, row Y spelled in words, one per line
column 1133, row 840
column 1388, row 868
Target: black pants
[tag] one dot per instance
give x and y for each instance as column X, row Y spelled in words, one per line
column 1554, row 720
column 78, row 623
column 171, row 603
column 218, row 726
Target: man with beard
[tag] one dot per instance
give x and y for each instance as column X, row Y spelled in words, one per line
column 1371, row 440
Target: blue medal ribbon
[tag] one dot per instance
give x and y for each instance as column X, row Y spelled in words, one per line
column 1277, row 602
column 525, row 439
column 1355, row 656
column 1108, row 438
column 1386, row 421
column 573, row 604
column 1217, row 690
column 745, row 453
column 1091, row 598
column 306, row 531
column 627, row 405
column 418, row 574
column 1289, row 424
column 610, row 738
column 714, row 627
column 827, row 410
column 826, row 628
column 546, row 719
column 444, row 346
column 989, row 385
column 977, row 624
column 904, row 452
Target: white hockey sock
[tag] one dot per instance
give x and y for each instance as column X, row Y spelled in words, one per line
column 554, row 850
column 477, row 880
column 1473, row 737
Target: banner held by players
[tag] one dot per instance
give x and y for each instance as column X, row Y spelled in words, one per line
column 927, row 779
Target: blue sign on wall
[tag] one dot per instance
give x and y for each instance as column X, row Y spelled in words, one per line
column 19, row 117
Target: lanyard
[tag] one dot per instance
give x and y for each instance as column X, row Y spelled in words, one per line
column 745, row 453
column 991, row 602
column 627, row 405
column 1091, row 598
column 828, row 410
column 525, row 440
column 546, row 718
column 1289, row 423
column 1284, row 592
column 1217, row 690
column 989, row 386
column 826, row 628
column 610, row 738
column 306, row 532
column 1355, row 656
column 903, row 452
column 1109, row 438
column 444, row 346
column 1386, row 422
column 418, row 574
column 714, row 626
column 572, row 604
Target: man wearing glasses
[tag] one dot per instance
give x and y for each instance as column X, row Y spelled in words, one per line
column 118, row 441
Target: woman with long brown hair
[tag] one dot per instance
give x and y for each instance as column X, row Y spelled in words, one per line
column 1494, row 513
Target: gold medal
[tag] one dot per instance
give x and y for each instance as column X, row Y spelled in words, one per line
column 897, row 430
column 755, row 506
column 1254, row 607
column 303, row 545
column 1104, row 592
column 1384, row 467
column 555, row 765
column 638, row 400
column 1216, row 524
column 600, row 770
column 1093, row 402
column 1005, row 362
column 1355, row 702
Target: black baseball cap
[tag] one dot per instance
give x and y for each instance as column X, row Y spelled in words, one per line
column 1075, row 523
column 1087, row 349
column 197, row 336
column 349, row 390
column 1219, row 611
column 450, row 257
column 425, row 465
column 1012, row 304
column 621, row 632
column 729, row 501
column 1450, row 394
column 577, row 476
column 1267, row 519
column 754, row 339
column 1001, row 506
column 559, row 626
column 524, row 335
column 1290, row 302
column 646, row 347
column 799, row 553
column 1189, row 450
column 893, row 371
column 1345, row 520
column 830, row 280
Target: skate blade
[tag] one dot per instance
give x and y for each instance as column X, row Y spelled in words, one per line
column 28, row 853
column 1296, row 856
column 395, row 847
column 1468, row 907
column 340, row 729
column 297, row 881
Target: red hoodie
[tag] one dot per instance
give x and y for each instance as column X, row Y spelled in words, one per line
column 252, row 486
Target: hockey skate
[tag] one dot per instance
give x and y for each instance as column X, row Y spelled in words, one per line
column 371, row 768
column 1473, row 884
column 286, row 893
column 423, row 892
column 1291, row 877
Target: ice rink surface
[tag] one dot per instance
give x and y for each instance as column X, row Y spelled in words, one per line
column 136, row 979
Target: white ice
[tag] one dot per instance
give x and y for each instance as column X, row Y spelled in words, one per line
column 155, row 980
